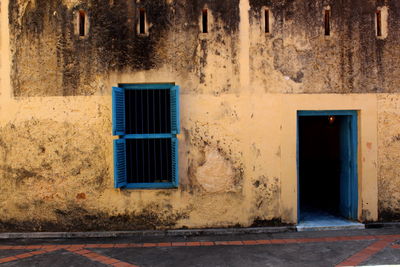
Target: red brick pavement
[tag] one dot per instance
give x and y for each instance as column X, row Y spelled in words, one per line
column 100, row 258
column 365, row 254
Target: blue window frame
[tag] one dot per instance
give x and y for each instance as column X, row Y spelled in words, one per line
column 146, row 119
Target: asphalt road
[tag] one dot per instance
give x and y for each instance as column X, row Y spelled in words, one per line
column 370, row 247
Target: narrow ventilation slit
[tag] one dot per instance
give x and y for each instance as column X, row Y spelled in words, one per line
column 142, row 21
column 205, row 21
column 82, row 23
column 148, row 112
column 379, row 23
column 327, row 22
column 266, row 21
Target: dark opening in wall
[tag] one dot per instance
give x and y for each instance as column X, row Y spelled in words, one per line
column 266, row 20
column 327, row 22
column 319, row 156
column 205, row 21
column 142, row 21
column 378, row 23
column 149, row 160
column 82, row 23
column 148, row 111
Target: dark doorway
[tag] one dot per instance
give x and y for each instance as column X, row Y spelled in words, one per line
column 327, row 164
column 319, row 158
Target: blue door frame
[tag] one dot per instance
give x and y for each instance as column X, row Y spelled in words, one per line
column 349, row 155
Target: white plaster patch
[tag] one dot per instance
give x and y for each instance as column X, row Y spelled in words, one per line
column 216, row 175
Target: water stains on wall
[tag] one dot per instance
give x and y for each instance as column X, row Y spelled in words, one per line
column 56, row 152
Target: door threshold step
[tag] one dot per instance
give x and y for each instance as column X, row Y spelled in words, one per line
column 318, row 220
column 350, row 226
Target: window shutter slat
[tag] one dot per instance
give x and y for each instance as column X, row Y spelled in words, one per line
column 175, row 124
column 118, row 102
column 120, row 172
column 174, row 163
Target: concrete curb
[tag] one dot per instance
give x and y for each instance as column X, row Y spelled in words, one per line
column 149, row 233
column 385, row 225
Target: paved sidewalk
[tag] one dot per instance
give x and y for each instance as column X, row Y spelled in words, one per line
column 331, row 248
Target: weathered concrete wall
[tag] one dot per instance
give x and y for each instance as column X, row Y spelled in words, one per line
column 238, row 106
column 56, row 167
column 389, row 149
column 296, row 57
column 63, row 63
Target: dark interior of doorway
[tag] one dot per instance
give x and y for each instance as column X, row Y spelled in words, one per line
column 319, row 164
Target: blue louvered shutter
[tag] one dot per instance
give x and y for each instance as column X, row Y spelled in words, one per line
column 174, row 163
column 118, row 108
column 120, row 173
column 175, row 124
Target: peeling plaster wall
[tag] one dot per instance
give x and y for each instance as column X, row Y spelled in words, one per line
column 389, row 149
column 296, row 57
column 63, row 63
column 56, row 170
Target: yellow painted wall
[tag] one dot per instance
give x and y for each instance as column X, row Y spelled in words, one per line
column 237, row 147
